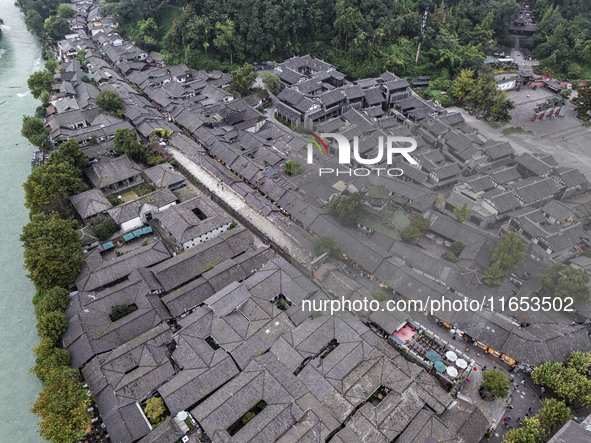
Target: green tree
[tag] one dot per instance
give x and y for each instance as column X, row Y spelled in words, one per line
column 39, row 82
column 293, row 168
column 56, row 27
column 499, row 111
column 457, row 247
column 554, row 413
column 411, row 234
column 34, row 131
column 120, row 311
column 531, row 432
column 561, row 281
column 50, row 65
column 509, row 251
column 583, row 102
column 463, row 85
column 49, row 181
column 484, row 32
column 243, row 78
column 421, row 223
column 450, row 256
column 51, row 325
column 148, row 34
column 54, row 299
column 495, row 382
column 65, row 11
column 105, row 229
column 462, row 212
column 62, row 406
column 110, row 102
column 347, row 207
column 57, row 358
column 69, row 152
column 493, row 275
column 155, row 409
column 271, row 82
column 53, row 252
column 126, row 143
column 34, row 21
column 327, row 244
column 578, row 360
column 225, row 39
column 566, row 381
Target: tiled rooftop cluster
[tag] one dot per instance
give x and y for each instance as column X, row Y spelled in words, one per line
column 217, row 326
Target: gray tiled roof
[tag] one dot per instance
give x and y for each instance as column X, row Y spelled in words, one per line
column 89, row 203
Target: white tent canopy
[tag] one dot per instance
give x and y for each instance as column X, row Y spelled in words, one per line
column 451, row 356
column 452, row 372
column 461, row 363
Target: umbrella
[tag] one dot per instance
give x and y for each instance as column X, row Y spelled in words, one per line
column 451, row 356
column 439, row 366
column 452, row 372
column 461, row 363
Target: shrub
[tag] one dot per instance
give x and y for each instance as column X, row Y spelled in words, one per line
column 120, row 311
column 457, row 248
column 55, row 299
column 450, row 256
column 105, row 229
column 380, row 296
column 51, row 325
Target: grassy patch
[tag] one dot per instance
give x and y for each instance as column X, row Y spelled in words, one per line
column 142, row 190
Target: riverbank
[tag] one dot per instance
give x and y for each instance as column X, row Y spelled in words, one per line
column 19, row 57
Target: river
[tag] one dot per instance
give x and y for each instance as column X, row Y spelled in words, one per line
column 19, row 57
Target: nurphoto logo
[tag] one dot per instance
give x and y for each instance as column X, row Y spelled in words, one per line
column 386, row 149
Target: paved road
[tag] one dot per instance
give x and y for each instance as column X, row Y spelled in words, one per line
column 235, row 201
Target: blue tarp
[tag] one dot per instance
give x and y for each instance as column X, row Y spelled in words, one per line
column 137, row 233
column 108, row 245
column 433, row 356
column 439, row 366
column 396, row 340
column 128, row 237
column 146, row 230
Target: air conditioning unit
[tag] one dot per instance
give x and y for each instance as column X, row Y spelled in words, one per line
column 185, row 439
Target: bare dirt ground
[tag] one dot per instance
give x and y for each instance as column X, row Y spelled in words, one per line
column 565, row 138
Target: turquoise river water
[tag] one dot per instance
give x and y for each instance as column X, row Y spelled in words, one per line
column 19, row 57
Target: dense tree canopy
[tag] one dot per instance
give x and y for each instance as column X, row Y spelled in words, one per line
column 54, row 299
column 69, row 152
column 62, row 406
column 563, row 281
column 363, row 38
column 65, row 11
column 509, row 251
column 563, row 38
column 347, row 207
column 293, row 167
column 56, row 27
column 34, row 131
column 495, row 382
column 569, row 380
column 553, row 414
column 109, row 101
column 49, row 181
column 39, row 82
column 327, row 244
column 243, row 78
column 53, row 253
column 530, row 432
column 126, row 142
column 411, row 234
